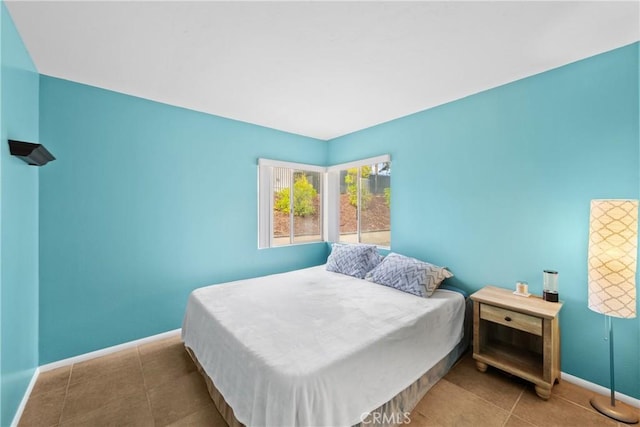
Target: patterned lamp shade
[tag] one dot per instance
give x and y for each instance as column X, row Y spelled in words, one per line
column 613, row 252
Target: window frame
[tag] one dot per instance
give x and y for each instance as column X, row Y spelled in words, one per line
column 265, row 199
column 329, row 198
column 333, row 195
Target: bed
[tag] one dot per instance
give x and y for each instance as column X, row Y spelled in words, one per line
column 317, row 348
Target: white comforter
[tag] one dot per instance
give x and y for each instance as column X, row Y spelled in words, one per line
column 315, row 348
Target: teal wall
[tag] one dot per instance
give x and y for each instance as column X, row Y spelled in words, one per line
column 2, row 12
column 1, row 132
column 148, row 201
column 144, row 203
column 497, row 187
column 18, row 222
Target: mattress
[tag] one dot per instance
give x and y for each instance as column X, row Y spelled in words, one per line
column 312, row 347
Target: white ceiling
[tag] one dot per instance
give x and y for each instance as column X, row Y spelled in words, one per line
column 320, row 69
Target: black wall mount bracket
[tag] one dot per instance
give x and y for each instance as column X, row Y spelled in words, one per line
column 33, row 154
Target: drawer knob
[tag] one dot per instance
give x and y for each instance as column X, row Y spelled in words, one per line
column 507, row 318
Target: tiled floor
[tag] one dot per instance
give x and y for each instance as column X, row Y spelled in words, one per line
column 157, row 385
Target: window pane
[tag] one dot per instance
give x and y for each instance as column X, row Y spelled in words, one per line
column 375, row 200
column 348, row 205
column 307, row 208
column 282, row 178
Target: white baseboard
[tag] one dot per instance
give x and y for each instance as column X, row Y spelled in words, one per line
column 600, row 390
column 25, row 398
column 82, row 358
column 108, row 350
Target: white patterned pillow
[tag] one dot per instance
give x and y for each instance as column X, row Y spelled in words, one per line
column 353, row 260
column 408, row 275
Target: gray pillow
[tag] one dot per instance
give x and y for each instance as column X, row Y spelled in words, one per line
column 353, row 260
column 408, row 275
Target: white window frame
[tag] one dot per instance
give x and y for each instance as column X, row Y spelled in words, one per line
column 265, row 197
column 333, row 193
column 330, row 196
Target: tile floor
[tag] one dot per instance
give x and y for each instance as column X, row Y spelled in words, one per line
column 157, row 384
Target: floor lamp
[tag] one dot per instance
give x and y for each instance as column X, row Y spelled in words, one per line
column 613, row 251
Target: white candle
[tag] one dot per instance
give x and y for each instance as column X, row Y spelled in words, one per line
column 522, row 287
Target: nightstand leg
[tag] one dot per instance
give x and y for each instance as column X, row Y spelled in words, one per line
column 544, row 392
column 482, row 367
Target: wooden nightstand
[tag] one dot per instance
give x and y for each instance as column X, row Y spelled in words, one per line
column 518, row 335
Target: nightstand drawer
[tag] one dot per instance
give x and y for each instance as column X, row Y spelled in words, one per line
column 512, row 319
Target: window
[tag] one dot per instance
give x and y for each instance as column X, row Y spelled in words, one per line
column 290, row 203
column 365, row 201
column 300, row 203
